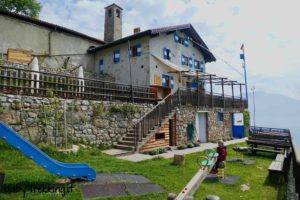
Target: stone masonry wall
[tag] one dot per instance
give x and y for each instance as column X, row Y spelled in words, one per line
column 41, row 120
column 215, row 130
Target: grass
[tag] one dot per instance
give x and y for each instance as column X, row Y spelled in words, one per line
column 22, row 172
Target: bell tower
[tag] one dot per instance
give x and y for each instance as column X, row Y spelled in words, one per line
column 113, row 23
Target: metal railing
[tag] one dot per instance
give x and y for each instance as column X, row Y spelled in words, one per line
column 154, row 117
column 34, row 83
column 201, row 98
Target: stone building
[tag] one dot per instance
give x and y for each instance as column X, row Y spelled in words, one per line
column 164, row 60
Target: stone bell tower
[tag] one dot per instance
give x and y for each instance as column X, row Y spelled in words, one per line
column 113, row 23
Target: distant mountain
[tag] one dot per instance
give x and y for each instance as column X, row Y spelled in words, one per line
column 276, row 111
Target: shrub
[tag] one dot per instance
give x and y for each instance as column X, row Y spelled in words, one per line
column 183, row 146
column 153, row 152
column 162, row 150
column 190, row 145
column 98, row 110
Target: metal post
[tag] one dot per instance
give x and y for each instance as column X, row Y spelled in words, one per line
column 253, row 88
column 130, row 71
column 245, row 74
column 232, row 93
column 223, row 96
column 197, row 87
column 211, row 91
column 241, row 94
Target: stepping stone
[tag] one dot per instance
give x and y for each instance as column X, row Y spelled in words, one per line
column 235, row 160
column 134, row 188
column 249, row 162
column 230, row 180
column 103, row 190
column 120, row 178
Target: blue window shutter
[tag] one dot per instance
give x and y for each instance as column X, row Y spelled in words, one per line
column 139, row 50
column 169, row 58
column 165, row 53
column 194, row 84
column 172, row 81
column 196, row 64
column 117, row 56
column 182, row 59
column 201, row 66
column 101, row 63
column 186, row 42
column 220, row 116
column 176, row 37
column 163, row 82
column 190, row 62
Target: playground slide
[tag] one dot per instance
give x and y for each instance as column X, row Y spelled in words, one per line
column 70, row 170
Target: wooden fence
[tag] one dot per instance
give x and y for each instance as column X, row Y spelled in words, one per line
column 33, row 83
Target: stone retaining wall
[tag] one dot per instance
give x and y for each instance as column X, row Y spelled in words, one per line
column 42, row 120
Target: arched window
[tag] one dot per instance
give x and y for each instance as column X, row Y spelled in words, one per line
column 118, row 13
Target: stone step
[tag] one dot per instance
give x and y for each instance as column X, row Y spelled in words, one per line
column 124, row 147
column 126, row 138
column 127, row 143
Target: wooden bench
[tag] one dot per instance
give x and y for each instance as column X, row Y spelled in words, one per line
column 277, row 165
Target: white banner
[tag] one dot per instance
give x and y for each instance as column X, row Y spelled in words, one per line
column 238, row 119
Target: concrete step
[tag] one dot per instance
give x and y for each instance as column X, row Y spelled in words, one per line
column 127, row 143
column 124, row 147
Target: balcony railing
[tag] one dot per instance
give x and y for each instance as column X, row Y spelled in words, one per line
column 34, row 83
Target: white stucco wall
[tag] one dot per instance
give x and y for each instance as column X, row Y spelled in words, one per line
column 121, row 70
column 19, row 34
column 157, row 44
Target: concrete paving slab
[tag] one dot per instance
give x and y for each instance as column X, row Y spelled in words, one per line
column 114, row 152
column 103, row 190
column 144, row 188
column 203, row 146
column 119, row 184
column 248, row 162
column 230, row 180
column 120, row 178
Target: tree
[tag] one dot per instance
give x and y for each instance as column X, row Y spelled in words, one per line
column 30, row 8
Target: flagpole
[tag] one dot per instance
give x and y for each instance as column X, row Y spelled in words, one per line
column 245, row 74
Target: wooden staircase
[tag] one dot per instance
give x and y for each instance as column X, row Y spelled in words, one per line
column 149, row 124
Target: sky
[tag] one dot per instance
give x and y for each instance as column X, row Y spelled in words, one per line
column 269, row 30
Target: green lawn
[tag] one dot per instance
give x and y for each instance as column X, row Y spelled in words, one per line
column 21, row 172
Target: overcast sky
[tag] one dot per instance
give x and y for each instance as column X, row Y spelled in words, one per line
column 269, row 29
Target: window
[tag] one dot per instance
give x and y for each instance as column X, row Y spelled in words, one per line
column 220, row 116
column 167, row 54
column 201, row 66
column 181, row 40
column 135, row 50
column 184, row 60
column 190, row 62
column 167, row 81
column 101, row 65
column 118, row 13
column 196, row 64
column 117, row 56
column 109, row 12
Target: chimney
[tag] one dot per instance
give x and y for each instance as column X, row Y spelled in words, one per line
column 113, row 23
column 136, row 30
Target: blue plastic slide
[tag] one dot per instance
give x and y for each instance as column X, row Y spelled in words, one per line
column 70, row 170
